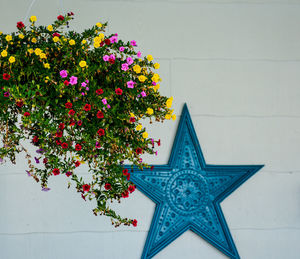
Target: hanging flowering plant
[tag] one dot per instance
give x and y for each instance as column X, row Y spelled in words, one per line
column 78, row 98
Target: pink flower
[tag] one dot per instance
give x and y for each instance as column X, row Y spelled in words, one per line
column 63, row 73
column 108, row 106
column 104, row 101
column 133, row 43
column 83, row 84
column 112, row 56
column 73, row 80
column 114, row 39
column 129, row 60
column 130, row 84
column 121, row 49
column 87, row 88
column 143, row 94
column 124, row 67
column 106, row 58
column 153, row 83
column 139, row 54
column 98, row 145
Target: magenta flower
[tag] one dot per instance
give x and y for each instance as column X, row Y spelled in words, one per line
column 87, row 81
column 129, row 61
column 87, row 88
column 6, row 94
column 133, row 43
column 124, row 67
column 83, row 84
column 112, row 56
column 121, row 49
column 82, row 93
column 108, row 106
column 139, row 54
column 153, row 83
column 63, row 73
column 104, row 101
column 106, row 58
column 114, row 39
column 73, row 80
column 98, row 145
column 143, row 94
column 130, row 84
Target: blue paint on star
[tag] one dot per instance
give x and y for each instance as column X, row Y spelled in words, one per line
column 188, row 193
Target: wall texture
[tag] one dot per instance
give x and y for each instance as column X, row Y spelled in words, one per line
column 236, row 64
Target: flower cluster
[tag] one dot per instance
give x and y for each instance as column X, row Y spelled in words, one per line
column 79, row 98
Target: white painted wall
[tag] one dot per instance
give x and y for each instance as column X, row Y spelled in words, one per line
column 237, row 65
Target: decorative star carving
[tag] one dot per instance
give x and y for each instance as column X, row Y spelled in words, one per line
column 188, row 193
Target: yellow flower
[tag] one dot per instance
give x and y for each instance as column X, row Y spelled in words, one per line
column 145, row 135
column 8, row 37
column 46, row 79
column 132, row 115
column 156, row 87
column 96, row 45
column 1, row 32
column 173, row 117
column 33, row 18
column 30, row 51
column 101, row 35
column 55, row 39
column 137, row 69
column 21, row 36
column 169, row 102
column 97, row 39
column 168, row 116
column 142, row 78
column 139, row 127
column 37, row 51
column 50, row 28
column 11, row 59
column 46, row 65
column 82, row 63
column 4, row 53
column 99, row 25
column 149, row 111
column 83, row 41
column 43, row 55
column 155, row 78
column 33, row 40
column 72, row 42
column 156, row 65
column 150, row 58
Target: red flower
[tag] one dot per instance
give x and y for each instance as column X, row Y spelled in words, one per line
column 101, row 132
column 26, row 114
column 132, row 119
column 139, row 151
column 68, row 173
column 86, row 187
column 101, row 43
column 58, row 134
column 87, row 107
column 125, row 194
column 6, row 76
column 125, row 172
column 72, row 122
column 77, row 163
column 158, row 143
column 79, row 123
column 66, row 82
column 131, row 188
column 107, row 41
column 111, row 61
column 45, row 160
column 152, row 167
column 107, row 186
column 134, row 222
column 58, row 142
column 61, row 126
column 20, row 103
column 55, row 34
column 70, row 14
column 35, row 139
column 55, row 171
column 68, row 105
column 78, row 147
column 119, row 91
column 20, row 25
column 71, row 112
column 60, row 18
column 99, row 91
column 128, row 177
column 64, row 145
column 100, row 115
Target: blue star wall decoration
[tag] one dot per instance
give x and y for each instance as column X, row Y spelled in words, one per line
column 188, row 193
